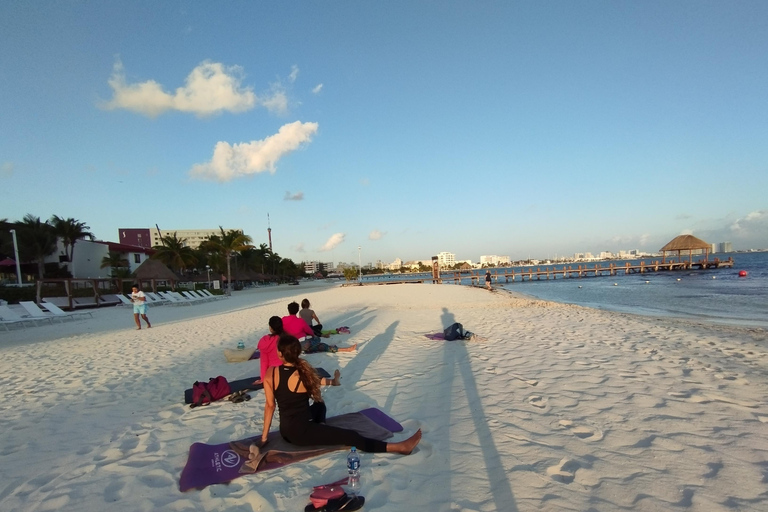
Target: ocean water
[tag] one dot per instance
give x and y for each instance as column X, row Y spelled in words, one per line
column 717, row 296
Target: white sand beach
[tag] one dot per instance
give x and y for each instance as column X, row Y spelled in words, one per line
column 554, row 408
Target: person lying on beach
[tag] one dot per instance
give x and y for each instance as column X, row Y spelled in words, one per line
column 298, row 328
column 291, row 385
column 308, row 316
column 268, row 347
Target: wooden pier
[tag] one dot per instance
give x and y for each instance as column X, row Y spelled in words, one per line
column 568, row 271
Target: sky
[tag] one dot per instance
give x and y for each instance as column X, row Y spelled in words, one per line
column 402, row 128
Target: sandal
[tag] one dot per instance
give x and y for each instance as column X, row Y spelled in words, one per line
column 239, row 396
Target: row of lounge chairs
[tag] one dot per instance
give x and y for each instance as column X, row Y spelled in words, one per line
column 184, row 298
column 35, row 315
column 50, row 312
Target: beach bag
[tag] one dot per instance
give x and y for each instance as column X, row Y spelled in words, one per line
column 203, row 393
column 454, row 331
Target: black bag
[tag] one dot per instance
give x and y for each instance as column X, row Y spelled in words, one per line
column 454, row 332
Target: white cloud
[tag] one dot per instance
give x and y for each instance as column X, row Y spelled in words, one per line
column 209, row 89
column 754, row 221
column 333, row 242
column 234, row 161
column 375, row 235
column 6, row 169
column 317, row 89
column 277, row 103
column 299, row 247
column 298, row 196
column 294, row 73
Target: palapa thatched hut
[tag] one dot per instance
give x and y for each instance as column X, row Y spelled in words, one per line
column 685, row 243
column 154, row 271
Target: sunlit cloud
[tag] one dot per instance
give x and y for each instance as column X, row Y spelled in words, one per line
column 6, row 169
column 294, row 73
column 244, row 159
column 317, row 89
column 298, row 196
column 753, row 222
column 211, row 88
column 375, row 235
column 333, row 242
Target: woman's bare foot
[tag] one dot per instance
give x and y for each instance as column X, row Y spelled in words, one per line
column 347, row 349
column 336, row 378
column 407, row 446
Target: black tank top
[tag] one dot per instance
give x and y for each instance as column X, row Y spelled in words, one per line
column 293, row 406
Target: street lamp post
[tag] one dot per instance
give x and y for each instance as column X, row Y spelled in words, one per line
column 16, row 254
column 359, row 265
column 208, row 268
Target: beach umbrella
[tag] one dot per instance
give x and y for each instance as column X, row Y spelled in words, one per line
column 685, row 243
column 8, row 262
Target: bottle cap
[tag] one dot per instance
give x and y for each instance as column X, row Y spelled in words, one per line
column 354, row 449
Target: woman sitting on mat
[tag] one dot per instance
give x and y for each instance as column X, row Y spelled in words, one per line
column 298, row 328
column 292, row 384
column 268, row 347
column 308, row 315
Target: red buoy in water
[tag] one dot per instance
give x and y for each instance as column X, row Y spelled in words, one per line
column 742, row 273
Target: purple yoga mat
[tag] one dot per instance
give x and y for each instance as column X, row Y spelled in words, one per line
column 219, row 463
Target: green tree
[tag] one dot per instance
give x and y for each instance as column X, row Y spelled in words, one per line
column 174, row 252
column 36, row 241
column 117, row 263
column 70, row 231
column 350, row 273
column 229, row 243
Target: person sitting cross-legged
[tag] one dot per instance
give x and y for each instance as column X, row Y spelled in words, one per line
column 298, row 328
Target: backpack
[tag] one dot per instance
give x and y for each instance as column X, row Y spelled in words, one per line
column 454, row 331
column 203, row 393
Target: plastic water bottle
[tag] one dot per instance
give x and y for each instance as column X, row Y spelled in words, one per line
column 353, row 468
column 240, row 345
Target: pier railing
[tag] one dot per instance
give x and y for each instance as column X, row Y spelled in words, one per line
column 571, row 271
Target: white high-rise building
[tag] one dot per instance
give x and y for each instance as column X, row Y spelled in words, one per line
column 193, row 237
column 494, row 260
column 446, row 259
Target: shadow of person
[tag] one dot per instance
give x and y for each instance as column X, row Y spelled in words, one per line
column 457, row 363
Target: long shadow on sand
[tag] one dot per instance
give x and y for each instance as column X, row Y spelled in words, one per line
column 456, row 360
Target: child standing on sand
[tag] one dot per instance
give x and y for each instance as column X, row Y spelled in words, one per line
column 139, row 307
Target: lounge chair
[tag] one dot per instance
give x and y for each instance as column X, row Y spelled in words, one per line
column 10, row 317
column 199, row 295
column 155, row 299
column 192, row 298
column 174, row 300
column 124, row 301
column 35, row 312
column 56, row 311
column 207, row 293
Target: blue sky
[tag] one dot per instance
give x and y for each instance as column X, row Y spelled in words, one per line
column 405, row 128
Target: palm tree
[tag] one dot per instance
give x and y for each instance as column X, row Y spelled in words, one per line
column 174, row 252
column 227, row 244
column 70, row 231
column 117, row 263
column 36, row 241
